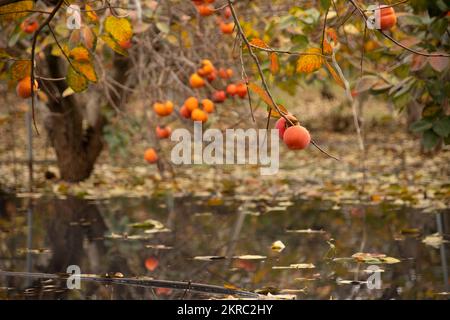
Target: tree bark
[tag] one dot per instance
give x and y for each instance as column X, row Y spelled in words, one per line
column 76, row 148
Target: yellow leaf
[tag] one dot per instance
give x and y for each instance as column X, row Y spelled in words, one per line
column 311, row 61
column 259, row 43
column 76, row 81
column 15, row 11
column 335, row 75
column 20, row 69
column 274, row 65
column 265, row 97
column 120, row 29
column 80, row 53
column 86, row 68
column 92, row 15
column 114, row 45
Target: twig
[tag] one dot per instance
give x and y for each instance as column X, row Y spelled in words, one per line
column 33, row 52
column 140, row 282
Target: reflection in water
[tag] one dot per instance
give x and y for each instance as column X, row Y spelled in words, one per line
column 48, row 235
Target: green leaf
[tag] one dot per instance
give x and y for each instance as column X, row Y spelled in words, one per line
column 120, row 29
column 430, row 139
column 325, row 4
column 421, row 125
column 442, row 127
column 76, row 81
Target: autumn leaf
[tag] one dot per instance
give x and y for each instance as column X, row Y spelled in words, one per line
column 15, row 11
column 20, row 69
column 86, row 68
column 259, row 43
column 80, row 53
column 334, row 74
column 113, row 45
column 76, row 81
column 310, row 62
column 439, row 63
column 274, row 65
column 91, row 15
column 119, row 29
column 265, row 97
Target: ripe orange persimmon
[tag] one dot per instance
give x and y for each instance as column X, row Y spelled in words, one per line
column 231, row 89
column 227, row 13
column 191, row 103
column 29, row 26
column 150, row 155
column 196, row 81
column 23, row 88
column 280, row 125
column 185, row 112
column 163, row 109
column 219, row 96
column 296, row 137
column 208, row 105
column 241, row 90
column 227, row 27
column 206, row 70
column 212, row 76
column 205, row 10
column 388, row 18
column 163, row 132
column 199, row 115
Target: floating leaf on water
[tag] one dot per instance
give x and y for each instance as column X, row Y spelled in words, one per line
column 434, row 240
column 352, row 282
column 158, row 247
column 296, row 266
column 209, row 258
column 278, row 246
column 250, row 257
column 147, row 224
column 203, row 214
column 280, row 297
column 276, row 209
column 125, row 236
column 157, row 230
column 374, row 258
column 292, row 291
column 307, row 231
column 33, row 251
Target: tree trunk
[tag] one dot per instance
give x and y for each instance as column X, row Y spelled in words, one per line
column 76, row 148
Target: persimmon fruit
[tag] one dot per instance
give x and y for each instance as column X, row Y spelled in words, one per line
column 227, row 27
column 388, row 18
column 29, row 26
column 241, row 90
column 151, row 156
column 196, row 81
column 163, row 132
column 163, row 109
column 23, row 88
column 205, row 10
column 191, row 103
column 184, row 112
column 296, row 137
column 232, row 89
column 208, row 105
column 199, row 115
column 219, row 96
